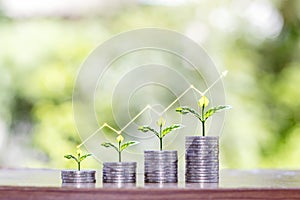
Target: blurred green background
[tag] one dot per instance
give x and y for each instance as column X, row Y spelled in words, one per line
column 43, row 43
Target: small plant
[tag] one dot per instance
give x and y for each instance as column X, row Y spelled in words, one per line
column 120, row 147
column 161, row 133
column 79, row 157
column 202, row 103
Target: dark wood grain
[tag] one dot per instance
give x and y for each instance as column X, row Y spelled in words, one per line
column 39, row 184
column 20, row 193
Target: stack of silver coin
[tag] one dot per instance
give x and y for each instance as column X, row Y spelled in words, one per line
column 202, row 159
column 119, row 172
column 75, row 176
column 161, row 166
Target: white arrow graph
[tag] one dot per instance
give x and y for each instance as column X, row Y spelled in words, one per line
column 148, row 107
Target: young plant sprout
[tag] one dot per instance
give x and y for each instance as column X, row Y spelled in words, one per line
column 203, row 116
column 161, row 133
column 120, row 147
column 79, row 157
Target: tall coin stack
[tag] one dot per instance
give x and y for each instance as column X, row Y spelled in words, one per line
column 202, row 159
column 160, row 166
column 119, row 172
column 75, row 176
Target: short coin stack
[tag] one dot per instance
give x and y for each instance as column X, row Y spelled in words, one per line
column 75, row 176
column 161, row 166
column 202, row 159
column 119, row 172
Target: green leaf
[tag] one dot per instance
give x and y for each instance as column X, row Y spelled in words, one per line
column 213, row 110
column 107, row 145
column 128, row 144
column 71, row 157
column 84, row 157
column 182, row 110
column 185, row 110
column 170, row 128
column 148, row 128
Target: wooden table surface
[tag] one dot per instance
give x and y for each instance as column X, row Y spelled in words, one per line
column 234, row 184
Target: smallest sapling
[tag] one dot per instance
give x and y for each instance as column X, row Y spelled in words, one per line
column 79, row 158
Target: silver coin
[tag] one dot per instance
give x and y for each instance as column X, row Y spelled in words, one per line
column 204, row 165
column 201, row 143
column 161, row 178
column 120, row 168
column 161, row 173
column 116, row 172
column 201, row 139
column 78, row 181
column 203, row 181
column 161, row 155
column 119, row 175
column 77, row 172
column 120, row 163
column 202, row 153
column 119, row 181
column 160, row 170
column 162, row 181
column 214, row 171
column 160, row 152
column 201, row 162
column 118, row 178
column 161, row 166
column 204, row 146
column 198, row 174
column 201, row 177
column 119, row 171
column 202, row 149
column 78, row 178
column 203, row 157
column 119, row 185
column 161, row 159
column 195, row 141
column 202, row 169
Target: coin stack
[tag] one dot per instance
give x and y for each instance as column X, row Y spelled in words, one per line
column 75, row 176
column 160, row 166
column 119, row 172
column 202, row 159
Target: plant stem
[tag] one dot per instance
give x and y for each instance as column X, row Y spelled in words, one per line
column 120, row 159
column 203, row 128
column 160, row 141
column 203, row 122
column 160, row 138
column 78, row 164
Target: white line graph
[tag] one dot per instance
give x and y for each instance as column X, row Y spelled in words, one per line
column 148, row 107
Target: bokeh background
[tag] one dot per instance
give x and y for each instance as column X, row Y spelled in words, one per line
column 43, row 43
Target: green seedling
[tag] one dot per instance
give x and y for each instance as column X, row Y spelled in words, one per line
column 161, row 133
column 79, row 157
column 121, row 146
column 204, row 115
